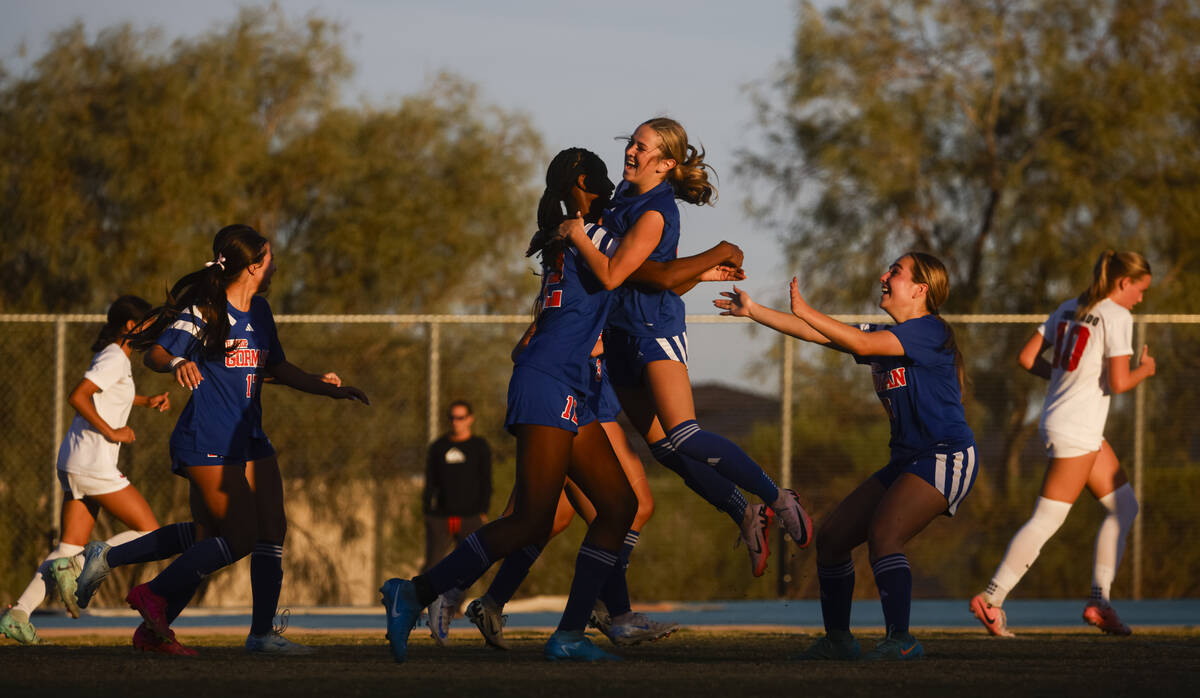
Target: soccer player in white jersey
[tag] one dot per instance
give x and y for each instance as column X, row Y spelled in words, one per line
column 1091, row 339
column 87, row 467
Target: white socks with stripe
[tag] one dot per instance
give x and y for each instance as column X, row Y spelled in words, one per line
column 1026, row 545
column 1122, row 509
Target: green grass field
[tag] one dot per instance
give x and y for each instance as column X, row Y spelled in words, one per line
column 725, row 662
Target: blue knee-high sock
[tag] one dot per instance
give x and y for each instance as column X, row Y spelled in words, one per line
column 592, row 568
column 190, row 568
column 837, row 593
column 159, row 544
column 177, row 602
column 893, row 576
column 266, row 579
column 466, row 562
column 725, row 457
column 512, row 573
column 701, row 479
column 615, row 592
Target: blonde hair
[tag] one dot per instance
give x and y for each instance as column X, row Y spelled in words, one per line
column 689, row 177
column 929, row 270
column 1110, row 268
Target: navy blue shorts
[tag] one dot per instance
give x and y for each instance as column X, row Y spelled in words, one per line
column 628, row 355
column 951, row 471
column 603, row 401
column 256, row 449
column 538, row 398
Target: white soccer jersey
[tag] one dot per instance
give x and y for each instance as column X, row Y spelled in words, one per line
column 84, row 450
column 1077, row 400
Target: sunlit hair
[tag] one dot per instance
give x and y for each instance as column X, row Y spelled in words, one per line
column 689, row 177
column 121, row 311
column 929, row 270
column 1110, row 268
column 235, row 247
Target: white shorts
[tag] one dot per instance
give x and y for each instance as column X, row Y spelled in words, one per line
column 1059, row 445
column 80, row 485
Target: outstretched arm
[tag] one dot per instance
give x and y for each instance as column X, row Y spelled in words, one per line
column 738, row 303
column 852, row 339
column 286, row 373
column 680, row 275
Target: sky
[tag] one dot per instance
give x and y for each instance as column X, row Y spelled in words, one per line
column 691, row 61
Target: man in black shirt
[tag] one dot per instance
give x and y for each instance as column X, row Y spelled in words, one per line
column 458, row 485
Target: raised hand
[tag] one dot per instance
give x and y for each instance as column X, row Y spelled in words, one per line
column 736, row 303
column 799, row 305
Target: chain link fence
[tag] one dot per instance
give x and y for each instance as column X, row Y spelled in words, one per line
column 354, row 474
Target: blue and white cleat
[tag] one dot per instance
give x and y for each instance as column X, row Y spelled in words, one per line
column 574, row 645
column 403, row 610
column 95, row 571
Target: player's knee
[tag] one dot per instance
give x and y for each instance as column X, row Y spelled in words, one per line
column 882, row 541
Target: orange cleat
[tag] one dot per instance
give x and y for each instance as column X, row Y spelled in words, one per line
column 1105, row 617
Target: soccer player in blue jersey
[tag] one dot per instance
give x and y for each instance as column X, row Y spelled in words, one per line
column 217, row 335
column 646, row 340
column 917, row 369
column 557, row 435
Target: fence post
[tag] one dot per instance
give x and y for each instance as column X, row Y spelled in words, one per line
column 435, row 372
column 60, row 359
column 785, row 454
column 1139, row 445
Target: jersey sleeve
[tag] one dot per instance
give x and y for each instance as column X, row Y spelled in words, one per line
column 1118, row 334
column 182, row 338
column 275, row 355
column 921, row 338
column 107, row 368
column 603, row 240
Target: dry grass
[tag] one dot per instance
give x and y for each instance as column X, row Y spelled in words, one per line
column 730, row 663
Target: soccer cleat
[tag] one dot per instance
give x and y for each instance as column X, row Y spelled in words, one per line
column 835, row 644
column 1105, row 617
column 274, row 642
column 147, row 641
column 793, row 518
column 403, row 609
column 632, row 628
column 65, row 571
column 441, row 611
column 896, row 646
column 992, row 617
column 600, row 619
column 95, row 570
column 153, row 609
column 486, row 616
column 573, row 645
column 15, row 624
column 754, row 535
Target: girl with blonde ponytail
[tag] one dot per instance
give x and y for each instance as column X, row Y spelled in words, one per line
column 1092, row 341
column 917, row 371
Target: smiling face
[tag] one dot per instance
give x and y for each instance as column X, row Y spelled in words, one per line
column 1129, row 291
column 900, row 296
column 645, row 166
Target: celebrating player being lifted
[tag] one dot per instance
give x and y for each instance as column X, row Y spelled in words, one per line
column 918, row 372
column 1091, row 338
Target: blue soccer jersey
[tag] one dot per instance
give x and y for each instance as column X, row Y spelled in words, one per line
column 575, row 306
column 224, row 415
column 920, row 389
column 641, row 311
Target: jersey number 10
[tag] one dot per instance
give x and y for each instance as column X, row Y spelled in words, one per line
column 1069, row 346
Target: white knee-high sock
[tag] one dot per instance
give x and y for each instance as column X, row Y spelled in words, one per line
column 43, row 582
column 1026, row 545
column 1122, row 509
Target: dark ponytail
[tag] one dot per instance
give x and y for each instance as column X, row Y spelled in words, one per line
column 235, row 247
column 121, row 311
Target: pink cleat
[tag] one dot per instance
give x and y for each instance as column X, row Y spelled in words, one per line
column 153, row 609
column 992, row 617
column 1105, row 617
column 146, row 640
column 755, row 534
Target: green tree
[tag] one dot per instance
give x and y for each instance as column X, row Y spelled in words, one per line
column 1015, row 140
